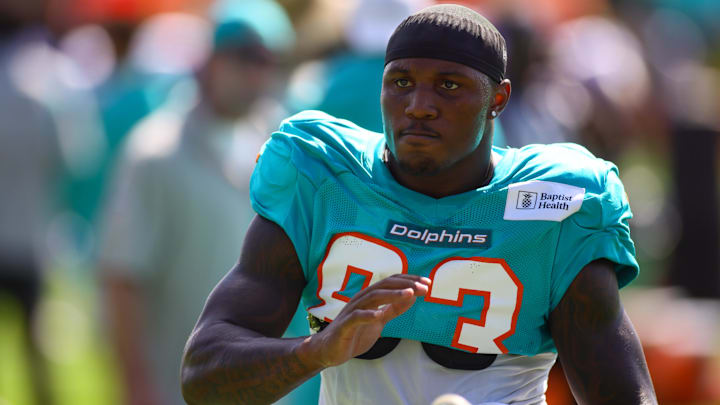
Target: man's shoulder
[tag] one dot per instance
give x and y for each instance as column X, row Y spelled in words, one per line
column 321, row 127
column 566, row 163
column 312, row 138
column 309, row 116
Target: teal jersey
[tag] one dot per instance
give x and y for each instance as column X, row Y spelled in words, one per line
column 500, row 257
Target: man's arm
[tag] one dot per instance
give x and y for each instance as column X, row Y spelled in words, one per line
column 235, row 354
column 597, row 344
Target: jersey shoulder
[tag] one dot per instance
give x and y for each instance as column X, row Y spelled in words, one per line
column 565, row 163
column 564, row 181
column 309, row 150
column 318, row 144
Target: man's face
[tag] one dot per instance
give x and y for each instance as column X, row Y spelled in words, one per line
column 434, row 112
column 234, row 83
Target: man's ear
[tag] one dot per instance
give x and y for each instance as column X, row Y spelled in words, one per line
column 500, row 98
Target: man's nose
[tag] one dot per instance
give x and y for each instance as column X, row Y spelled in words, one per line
column 421, row 105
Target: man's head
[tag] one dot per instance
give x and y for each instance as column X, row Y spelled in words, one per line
column 238, row 71
column 248, row 37
column 444, row 80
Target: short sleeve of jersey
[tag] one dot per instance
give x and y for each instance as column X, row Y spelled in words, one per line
column 280, row 193
column 599, row 230
column 308, row 149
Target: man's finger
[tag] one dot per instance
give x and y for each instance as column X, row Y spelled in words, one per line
column 360, row 317
column 420, row 285
column 379, row 297
column 396, row 308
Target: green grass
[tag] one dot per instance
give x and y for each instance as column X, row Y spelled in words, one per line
column 79, row 361
column 79, row 358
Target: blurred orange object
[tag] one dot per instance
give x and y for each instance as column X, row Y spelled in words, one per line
column 680, row 345
column 558, row 392
column 544, row 13
column 94, row 11
column 678, row 379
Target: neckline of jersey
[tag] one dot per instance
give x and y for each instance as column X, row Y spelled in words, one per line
column 382, row 177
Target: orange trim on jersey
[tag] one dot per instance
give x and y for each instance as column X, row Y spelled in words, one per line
column 360, row 236
column 367, row 275
column 458, row 331
column 486, row 303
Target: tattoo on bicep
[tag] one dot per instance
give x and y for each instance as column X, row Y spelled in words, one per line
column 270, row 277
column 581, row 319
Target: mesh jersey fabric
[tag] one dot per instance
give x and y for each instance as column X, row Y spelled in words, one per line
column 323, row 181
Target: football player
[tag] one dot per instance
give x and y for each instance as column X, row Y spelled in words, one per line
column 428, row 260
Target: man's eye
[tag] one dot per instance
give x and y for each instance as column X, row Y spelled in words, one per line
column 402, row 82
column 449, row 85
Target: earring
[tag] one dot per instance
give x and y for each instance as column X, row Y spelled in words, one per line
column 493, row 114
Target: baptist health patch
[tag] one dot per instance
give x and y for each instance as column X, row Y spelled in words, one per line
column 542, row 201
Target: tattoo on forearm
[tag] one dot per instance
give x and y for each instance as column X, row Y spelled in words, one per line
column 258, row 378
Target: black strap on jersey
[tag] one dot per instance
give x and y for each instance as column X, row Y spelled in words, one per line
column 383, row 346
column 458, row 359
column 444, row 356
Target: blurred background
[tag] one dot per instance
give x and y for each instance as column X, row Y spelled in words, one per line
column 129, row 129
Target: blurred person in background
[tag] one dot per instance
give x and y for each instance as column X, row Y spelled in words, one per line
column 346, row 84
column 30, row 160
column 684, row 50
column 47, row 74
column 179, row 203
column 125, row 66
column 681, row 316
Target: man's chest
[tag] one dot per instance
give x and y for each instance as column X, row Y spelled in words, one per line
column 490, row 277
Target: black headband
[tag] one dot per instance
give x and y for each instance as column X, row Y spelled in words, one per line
column 453, row 33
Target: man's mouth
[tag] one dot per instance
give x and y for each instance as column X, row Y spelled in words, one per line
column 420, row 132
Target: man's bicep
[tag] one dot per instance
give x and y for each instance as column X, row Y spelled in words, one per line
column 261, row 292
column 592, row 300
column 596, row 342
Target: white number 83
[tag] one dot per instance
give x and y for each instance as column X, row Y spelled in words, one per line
column 452, row 279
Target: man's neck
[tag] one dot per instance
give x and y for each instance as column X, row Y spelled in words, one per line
column 468, row 174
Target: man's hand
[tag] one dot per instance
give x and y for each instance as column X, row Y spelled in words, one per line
column 236, row 354
column 358, row 326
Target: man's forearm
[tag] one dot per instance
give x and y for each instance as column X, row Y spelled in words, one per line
column 225, row 364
